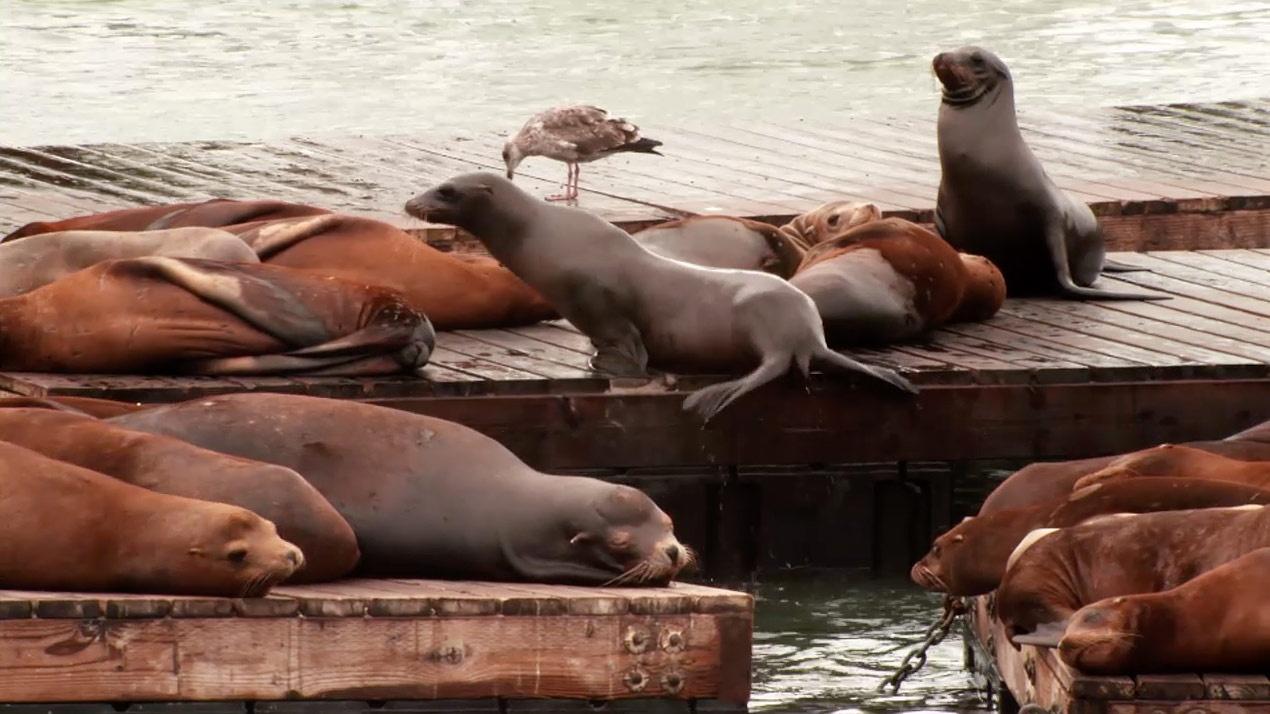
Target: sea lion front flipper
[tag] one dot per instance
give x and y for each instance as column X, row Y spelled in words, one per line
column 619, row 346
column 274, row 237
column 1046, row 634
column 1056, row 242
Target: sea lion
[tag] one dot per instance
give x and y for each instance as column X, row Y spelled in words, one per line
column 1045, row 481
column 207, row 214
column 994, row 197
column 430, row 498
column 724, row 242
column 970, row 558
column 1055, row 572
column 39, row 260
column 455, row 293
column 637, row 307
column 1175, row 460
column 827, row 221
column 985, row 290
column 1215, row 622
column 69, row 528
column 143, row 315
column 88, row 406
column 166, row 465
column 883, row 281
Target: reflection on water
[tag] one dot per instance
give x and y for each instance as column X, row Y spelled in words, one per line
column 824, row 640
column 129, row 70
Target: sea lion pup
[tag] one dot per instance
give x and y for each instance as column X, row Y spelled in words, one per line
column 455, row 293
column 970, row 558
column 1181, row 461
column 827, row 221
column 166, row 465
column 883, row 281
column 637, row 307
column 996, row 200
column 39, row 260
column 214, row 213
column 1055, row 572
column 1045, row 481
column 69, row 528
column 724, row 242
column 1217, row 622
column 430, row 498
column 87, row 406
column 143, row 315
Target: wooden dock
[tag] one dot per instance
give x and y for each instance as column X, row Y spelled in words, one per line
column 402, row 645
column 1035, row 676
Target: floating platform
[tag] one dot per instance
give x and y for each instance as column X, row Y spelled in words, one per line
column 417, row 645
column 1035, row 676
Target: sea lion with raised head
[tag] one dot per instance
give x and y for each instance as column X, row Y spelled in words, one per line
column 828, row 220
column 996, row 200
column 724, row 242
column 639, row 308
column 1218, row 621
column 431, row 498
column 39, row 260
column 166, row 465
column 68, row 528
column 1172, row 460
column 883, row 281
column 214, row 213
column 152, row 314
column 970, row 558
column 1055, row 572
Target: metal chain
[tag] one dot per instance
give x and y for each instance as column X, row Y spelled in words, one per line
column 916, row 659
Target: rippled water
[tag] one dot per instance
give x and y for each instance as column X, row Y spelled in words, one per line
column 85, row 70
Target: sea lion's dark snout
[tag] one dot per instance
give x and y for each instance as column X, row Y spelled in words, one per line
column 950, row 71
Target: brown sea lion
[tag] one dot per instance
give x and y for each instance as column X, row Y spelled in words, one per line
column 1055, row 572
column 166, row 465
column 206, row 214
column 970, row 558
column 1181, row 461
column 639, row 308
column 724, row 242
column 1218, row 621
column 827, row 221
column 69, row 528
column 88, row 406
column 996, row 200
column 39, row 260
column 143, row 315
column 883, row 281
column 985, row 290
column 430, row 498
column 1045, row 481
column 455, row 293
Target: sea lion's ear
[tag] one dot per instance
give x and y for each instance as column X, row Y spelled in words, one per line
column 1045, row 635
column 196, row 551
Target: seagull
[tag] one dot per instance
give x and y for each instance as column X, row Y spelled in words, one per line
column 574, row 134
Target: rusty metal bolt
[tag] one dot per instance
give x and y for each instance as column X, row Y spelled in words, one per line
column 672, row 640
column 672, row 682
column 636, row 680
column 636, row 639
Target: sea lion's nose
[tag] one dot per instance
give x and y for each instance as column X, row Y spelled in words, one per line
column 295, row 557
column 674, row 553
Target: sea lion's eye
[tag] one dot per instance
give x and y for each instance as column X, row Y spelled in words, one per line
column 977, row 59
column 832, row 220
column 447, row 193
column 237, row 555
column 935, row 549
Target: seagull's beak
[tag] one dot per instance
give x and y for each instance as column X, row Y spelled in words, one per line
column 510, row 172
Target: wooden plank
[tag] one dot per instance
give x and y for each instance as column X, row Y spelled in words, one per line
column 810, row 425
column 368, row 658
column 1236, row 686
column 511, row 354
column 1247, row 258
column 1215, row 265
column 1228, row 291
column 1169, row 687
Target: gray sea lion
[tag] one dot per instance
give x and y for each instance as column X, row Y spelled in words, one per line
column 68, row 528
column 430, row 498
column 996, row 200
column 166, row 465
column 40, row 259
column 637, row 307
column 724, row 242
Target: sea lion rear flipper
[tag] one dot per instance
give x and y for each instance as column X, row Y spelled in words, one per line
column 1115, row 266
column 845, row 363
column 709, row 401
column 1056, row 242
column 1046, row 634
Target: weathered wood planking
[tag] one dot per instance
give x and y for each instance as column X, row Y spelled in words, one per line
column 1158, row 177
column 1035, row 675
column 379, row 639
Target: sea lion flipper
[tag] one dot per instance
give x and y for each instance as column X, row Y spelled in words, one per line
column 709, row 401
column 1046, row 634
column 619, row 346
column 843, row 362
column 1115, row 266
column 1056, row 242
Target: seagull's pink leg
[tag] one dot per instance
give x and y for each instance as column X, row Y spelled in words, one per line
column 564, row 196
column 577, row 171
